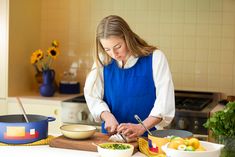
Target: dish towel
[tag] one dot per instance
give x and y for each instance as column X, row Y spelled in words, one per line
column 143, row 147
column 40, row 142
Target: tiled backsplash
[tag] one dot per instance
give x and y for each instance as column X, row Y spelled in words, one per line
column 197, row 36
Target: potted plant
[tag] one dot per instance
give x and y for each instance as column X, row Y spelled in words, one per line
column 222, row 125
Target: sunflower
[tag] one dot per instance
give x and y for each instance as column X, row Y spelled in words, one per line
column 36, row 56
column 53, row 52
column 55, row 43
column 33, row 59
column 43, row 61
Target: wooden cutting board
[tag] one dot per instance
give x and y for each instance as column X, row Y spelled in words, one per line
column 66, row 143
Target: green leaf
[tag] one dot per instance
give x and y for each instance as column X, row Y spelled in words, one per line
column 223, row 122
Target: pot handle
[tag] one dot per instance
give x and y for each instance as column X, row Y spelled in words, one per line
column 50, row 119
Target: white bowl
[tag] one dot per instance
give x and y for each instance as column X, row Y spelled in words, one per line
column 212, row 150
column 76, row 131
column 104, row 152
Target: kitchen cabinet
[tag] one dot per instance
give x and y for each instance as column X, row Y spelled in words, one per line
column 40, row 106
column 4, row 17
column 3, row 107
column 46, row 106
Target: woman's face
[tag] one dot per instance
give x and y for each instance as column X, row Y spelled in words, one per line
column 115, row 47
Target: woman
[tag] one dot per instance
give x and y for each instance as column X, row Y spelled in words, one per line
column 129, row 77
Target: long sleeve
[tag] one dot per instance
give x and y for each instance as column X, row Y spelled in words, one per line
column 94, row 92
column 164, row 106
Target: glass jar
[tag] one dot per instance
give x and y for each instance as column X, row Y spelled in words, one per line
column 229, row 145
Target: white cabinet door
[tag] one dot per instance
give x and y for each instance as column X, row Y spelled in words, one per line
column 4, row 16
column 3, row 107
column 46, row 108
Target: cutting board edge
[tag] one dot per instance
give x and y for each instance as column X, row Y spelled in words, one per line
column 65, row 143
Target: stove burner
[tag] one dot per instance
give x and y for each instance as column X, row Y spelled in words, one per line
column 191, row 103
column 77, row 99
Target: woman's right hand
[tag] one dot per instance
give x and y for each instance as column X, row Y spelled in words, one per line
column 111, row 123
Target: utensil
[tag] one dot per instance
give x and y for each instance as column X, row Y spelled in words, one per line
column 140, row 121
column 118, row 137
column 22, row 108
column 94, row 144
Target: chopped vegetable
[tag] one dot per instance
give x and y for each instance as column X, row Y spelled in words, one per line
column 115, row 146
column 189, row 148
column 182, row 147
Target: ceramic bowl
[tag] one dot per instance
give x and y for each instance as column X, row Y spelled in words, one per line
column 108, row 152
column 76, row 131
column 212, row 150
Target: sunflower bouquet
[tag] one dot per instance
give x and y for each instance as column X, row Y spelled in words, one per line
column 43, row 61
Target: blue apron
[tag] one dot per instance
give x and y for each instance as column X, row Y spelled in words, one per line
column 129, row 91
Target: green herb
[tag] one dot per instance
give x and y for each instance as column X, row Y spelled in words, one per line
column 223, row 122
column 115, row 146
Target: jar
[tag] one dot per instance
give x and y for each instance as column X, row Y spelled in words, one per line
column 229, row 145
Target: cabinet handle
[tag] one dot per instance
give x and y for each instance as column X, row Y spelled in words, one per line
column 56, row 112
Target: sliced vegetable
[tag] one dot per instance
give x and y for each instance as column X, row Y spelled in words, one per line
column 182, row 147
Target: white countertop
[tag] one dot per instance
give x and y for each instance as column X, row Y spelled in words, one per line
column 37, row 96
column 45, row 151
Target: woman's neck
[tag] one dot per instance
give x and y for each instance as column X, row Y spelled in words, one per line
column 125, row 60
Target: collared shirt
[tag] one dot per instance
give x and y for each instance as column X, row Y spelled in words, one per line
column 164, row 105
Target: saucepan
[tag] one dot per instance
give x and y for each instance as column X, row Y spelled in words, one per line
column 15, row 130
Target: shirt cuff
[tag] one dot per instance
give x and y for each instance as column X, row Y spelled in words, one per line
column 97, row 110
column 166, row 120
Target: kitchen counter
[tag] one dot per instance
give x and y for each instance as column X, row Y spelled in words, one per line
column 57, row 97
column 45, row 150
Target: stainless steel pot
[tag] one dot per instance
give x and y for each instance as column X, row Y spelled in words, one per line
column 14, row 129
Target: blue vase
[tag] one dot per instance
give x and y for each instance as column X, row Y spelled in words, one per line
column 48, row 87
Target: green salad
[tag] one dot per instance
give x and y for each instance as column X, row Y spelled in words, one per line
column 114, row 146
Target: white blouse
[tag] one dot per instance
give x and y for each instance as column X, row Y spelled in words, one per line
column 164, row 105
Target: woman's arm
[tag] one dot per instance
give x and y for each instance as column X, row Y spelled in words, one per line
column 164, row 106
column 94, row 92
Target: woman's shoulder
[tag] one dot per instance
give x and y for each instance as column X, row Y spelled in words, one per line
column 158, row 54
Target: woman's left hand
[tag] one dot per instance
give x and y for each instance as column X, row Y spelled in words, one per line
column 131, row 130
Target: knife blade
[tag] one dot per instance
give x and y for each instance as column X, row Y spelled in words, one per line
column 118, row 137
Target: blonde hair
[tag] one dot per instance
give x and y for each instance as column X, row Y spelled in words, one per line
column 114, row 25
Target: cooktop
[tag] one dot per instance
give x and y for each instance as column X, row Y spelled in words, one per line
column 80, row 98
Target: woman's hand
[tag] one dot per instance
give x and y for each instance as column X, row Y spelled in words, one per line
column 131, row 130
column 111, row 123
